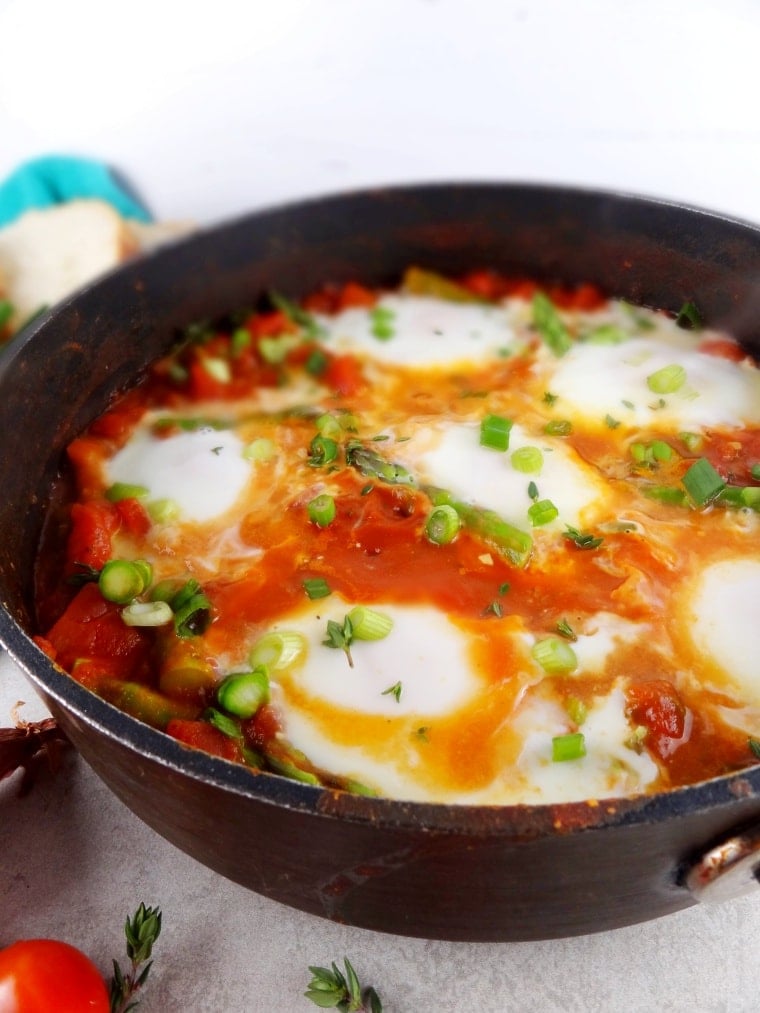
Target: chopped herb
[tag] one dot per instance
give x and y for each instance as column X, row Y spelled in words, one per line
column 689, row 317
column 576, row 709
column 297, row 315
column 366, row 489
column 550, row 398
column 422, row 733
column 565, row 629
column 754, row 745
column 558, row 427
column 216, row 450
column 610, row 422
column 316, row 587
column 240, row 339
column 504, row 588
column 332, row 989
column 316, row 362
column 533, row 491
column 394, row 691
column 494, row 608
column 606, row 334
column 583, row 539
column 755, row 472
column 628, row 404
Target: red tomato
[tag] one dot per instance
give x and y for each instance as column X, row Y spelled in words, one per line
column 41, row 975
column 202, row 735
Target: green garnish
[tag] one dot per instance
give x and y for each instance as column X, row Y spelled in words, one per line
column 527, row 459
column 121, row 581
column 755, row 472
column 689, row 317
column 494, row 608
column 565, row 629
column 555, row 656
column 223, row 723
column 340, row 637
column 394, row 691
column 382, row 320
column 277, row 650
column 322, row 450
column 568, row 747
column 240, row 339
column 550, row 398
column 605, row 334
column 316, row 587
column 422, row 733
column 576, row 709
column 331, row 989
column 316, row 362
column 367, row 624
column 217, row 368
column 370, row 464
column 321, row 510
column 558, row 427
column 126, row 490
column 494, row 432
column 610, row 422
column 583, row 539
column 702, row 482
column 192, row 610
column 442, row 525
column 549, row 325
column 297, row 315
column 543, row 511
column 667, row 380
column 147, row 614
column 242, row 694
column 533, row 491
column 754, row 745
column 141, row 932
column 6, row 312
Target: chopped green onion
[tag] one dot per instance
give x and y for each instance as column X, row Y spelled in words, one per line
column 494, row 432
column 661, row 451
column 755, row 472
column 218, row 369
column 145, row 570
column 702, row 482
column 277, row 650
column 666, row 494
column 543, row 511
column 442, row 525
column 576, row 709
column 689, row 317
column 382, row 322
column 555, row 656
column 328, row 426
column 125, row 490
column 193, row 616
column 558, row 427
column 568, row 747
column 549, row 325
column 606, row 334
column 692, row 441
column 243, row 693
column 147, row 613
column 741, row 496
column 274, row 350
column 260, row 450
column 290, row 770
column 367, row 624
column 667, row 380
column 316, row 587
column 316, row 362
column 240, row 339
column 321, row 510
column 121, row 581
column 163, row 511
column 348, row 422
column 322, row 450
column 166, row 590
column 527, row 460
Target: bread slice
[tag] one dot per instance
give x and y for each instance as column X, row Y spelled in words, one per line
column 48, row 253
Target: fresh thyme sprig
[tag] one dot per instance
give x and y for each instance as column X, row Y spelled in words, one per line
column 341, row 637
column 331, row 989
column 142, row 931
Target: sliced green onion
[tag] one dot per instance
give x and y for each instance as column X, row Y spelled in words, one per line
column 689, row 317
column 555, row 656
column 692, row 441
column 568, row 747
column 542, row 512
column 192, row 611
column 382, row 322
column 702, row 482
column 240, row 339
column 316, row 363
column 328, row 426
column 367, row 624
column 261, row 449
column 147, row 613
column 145, row 570
column 322, row 450
column 277, row 650
column 218, row 369
column 321, row 510
column 576, row 709
column 121, row 581
column 243, row 693
column 163, row 511
column 549, row 325
column 755, row 472
column 667, row 380
column 527, row 460
column 639, row 452
column 558, row 427
column 442, row 525
column 583, row 539
column 316, row 587
column 666, row 494
column 494, row 432
column 275, row 350
column 165, row 590
column 125, row 490
column 741, row 496
column 606, row 334
column 348, row 422
column 287, row 769
column 661, row 451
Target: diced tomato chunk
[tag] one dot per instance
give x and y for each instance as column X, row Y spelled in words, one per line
column 344, row 375
column 353, row 294
column 269, row 325
column 723, row 348
column 93, row 524
column 92, row 628
column 262, row 727
column 657, row 706
column 202, row 735
column 134, row 516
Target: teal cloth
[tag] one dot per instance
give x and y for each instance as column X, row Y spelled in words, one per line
column 54, row 179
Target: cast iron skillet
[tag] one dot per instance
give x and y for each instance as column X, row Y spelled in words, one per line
column 469, row 873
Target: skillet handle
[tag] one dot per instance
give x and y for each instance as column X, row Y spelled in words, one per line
column 729, row 869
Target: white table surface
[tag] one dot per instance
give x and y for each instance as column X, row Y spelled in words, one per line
column 239, row 106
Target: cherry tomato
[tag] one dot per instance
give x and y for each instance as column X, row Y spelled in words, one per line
column 41, row 975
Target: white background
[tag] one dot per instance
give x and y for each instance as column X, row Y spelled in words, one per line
column 216, row 109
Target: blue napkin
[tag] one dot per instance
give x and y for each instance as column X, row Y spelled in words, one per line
column 54, row 179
